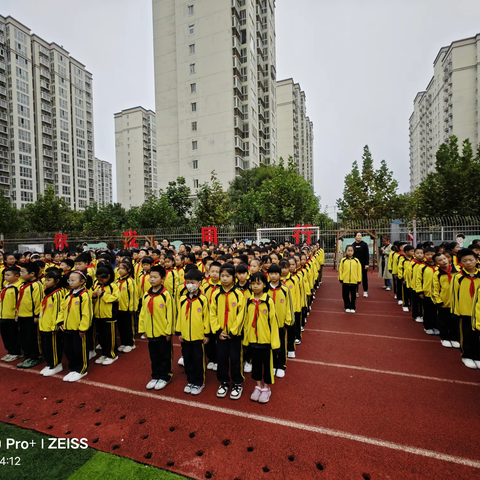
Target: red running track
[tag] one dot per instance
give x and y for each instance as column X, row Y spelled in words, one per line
column 368, row 396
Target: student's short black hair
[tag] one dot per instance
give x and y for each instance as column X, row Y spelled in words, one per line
column 216, row 264
column 274, row 268
column 18, row 256
column 260, row 277
column 256, row 260
column 474, row 245
column 194, row 274
column 31, row 268
column 190, row 266
column 284, row 263
column 243, row 258
column 105, row 256
column 465, row 253
column 229, row 268
column 170, row 257
column 348, row 246
column 448, row 252
column 157, row 251
column 198, row 253
column 461, row 235
column 68, row 262
column 429, row 249
column 191, row 257
column 40, row 263
column 14, row 270
column 241, row 268
column 105, row 271
column 159, row 269
column 436, row 256
column 128, row 264
column 222, row 258
column 83, row 258
column 54, row 273
column 207, row 259
column 228, row 256
column 148, row 260
column 408, row 248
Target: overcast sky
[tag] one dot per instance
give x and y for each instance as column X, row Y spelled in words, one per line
column 360, row 62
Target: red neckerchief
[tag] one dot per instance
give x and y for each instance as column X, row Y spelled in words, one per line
column 275, row 290
column 401, row 253
column 152, row 296
column 22, row 292
column 255, row 315
column 189, row 303
column 76, row 295
column 121, row 282
column 433, row 267
column 88, row 266
column 227, row 308
column 472, row 281
column 448, row 272
column 4, row 291
column 44, row 301
column 214, row 287
column 144, row 277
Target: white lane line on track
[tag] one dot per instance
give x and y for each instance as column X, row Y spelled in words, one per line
column 370, row 300
column 371, row 335
column 386, row 372
column 285, row 423
column 342, row 312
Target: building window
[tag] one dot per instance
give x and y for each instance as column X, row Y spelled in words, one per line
column 194, row 106
column 191, row 29
column 195, row 183
column 193, row 88
column 194, row 126
column 194, row 145
column 192, row 68
column 190, row 9
column 195, row 164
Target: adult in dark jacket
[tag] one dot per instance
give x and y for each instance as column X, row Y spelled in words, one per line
column 360, row 251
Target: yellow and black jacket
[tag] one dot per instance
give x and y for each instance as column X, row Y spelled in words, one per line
column 193, row 318
column 424, row 279
column 105, row 307
column 30, row 296
column 180, row 275
column 283, row 304
column 395, row 260
column 442, row 286
column 8, row 301
column 350, row 271
column 245, row 289
column 401, row 265
column 171, row 281
column 127, row 300
column 77, row 311
column 476, row 310
column 407, row 272
column 261, row 324
column 226, row 311
column 209, row 288
column 52, row 310
column 464, row 287
column 291, row 281
column 143, row 284
column 157, row 314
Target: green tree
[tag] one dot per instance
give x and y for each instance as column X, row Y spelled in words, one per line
column 10, row 220
column 153, row 213
column 103, row 218
column 48, row 214
column 369, row 194
column 213, row 203
column 179, row 196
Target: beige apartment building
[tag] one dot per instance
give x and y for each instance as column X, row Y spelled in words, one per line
column 295, row 129
column 448, row 106
column 103, row 182
column 215, row 86
column 46, row 120
column 136, row 156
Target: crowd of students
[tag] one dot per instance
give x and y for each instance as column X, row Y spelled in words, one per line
column 235, row 310
column 440, row 287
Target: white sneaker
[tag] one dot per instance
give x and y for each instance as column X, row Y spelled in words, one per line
column 430, row 331
column 215, row 367
column 395, row 297
column 446, row 343
column 66, row 378
column 120, row 348
column 274, row 371
column 188, row 388
column 280, row 373
column 297, row 341
column 352, row 311
column 455, row 344
column 76, row 376
column 209, row 365
column 42, row 371
column 143, row 337
column 100, row 359
column 468, row 362
column 290, row 354
column 92, row 354
column 236, row 392
column 358, row 295
column 180, row 362
column 161, row 384
column 197, row 389
column 98, row 347
column 365, row 294
column 419, row 320
column 384, row 287
column 347, row 310
column 151, row 384
column 477, row 363
column 109, row 360
column 436, row 331
column 400, row 302
column 53, row 371
column 406, row 309
column 222, row 390
column 302, row 329
column 128, row 348
column 247, row 367
column 388, row 289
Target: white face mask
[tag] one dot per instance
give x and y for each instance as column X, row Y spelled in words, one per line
column 192, row 288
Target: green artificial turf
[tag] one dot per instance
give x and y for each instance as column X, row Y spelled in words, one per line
column 61, row 464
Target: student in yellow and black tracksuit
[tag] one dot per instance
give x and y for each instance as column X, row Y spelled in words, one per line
column 243, row 285
column 75, row 323
column 209, row 287
column 226, row 317
column 423, row 287
column 8, row 307
column 29, row 304
column 127, row 306
column 194, row 328
column 50, row 315
column 171, row 279
column 399, row 279
column 442, row 298
column 282, row 299
column 391, row 258
column 464, row 285
column 302, row 280
column 262, row 334
column 350, row 276
column 105, row 313
column 292, row 282
column 417, row 302
column 157, row 323
column 407, row 277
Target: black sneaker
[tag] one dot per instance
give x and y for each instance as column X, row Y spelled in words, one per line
column 236, row 392
column 222, row 390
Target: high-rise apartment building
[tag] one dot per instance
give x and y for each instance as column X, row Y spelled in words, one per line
column 215, row 85
column 449, row 106
column 295, row 130
column 136, row 156
column 46, row 120
column 103, row 182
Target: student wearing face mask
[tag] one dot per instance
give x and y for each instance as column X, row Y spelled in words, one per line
column 193, row 328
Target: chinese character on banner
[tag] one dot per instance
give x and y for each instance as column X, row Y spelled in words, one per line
column 299, row 230
column 209, row 234
column 130, row 239
column 60, row 241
